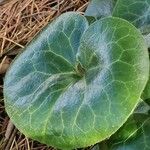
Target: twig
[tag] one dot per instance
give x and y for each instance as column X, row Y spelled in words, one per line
column 9, row 135
column 13, row 42
column 11, row 140
column 10, row 128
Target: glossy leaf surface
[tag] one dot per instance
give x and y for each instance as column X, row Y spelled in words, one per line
column 74, row 86
column 135, row 133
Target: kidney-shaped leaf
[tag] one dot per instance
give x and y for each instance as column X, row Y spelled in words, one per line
column 133, row 135
column 71, row 88
column 135, row 11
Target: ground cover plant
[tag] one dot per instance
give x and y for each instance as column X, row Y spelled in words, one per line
column 135, row 132
column 19, row 23
column 76, row 84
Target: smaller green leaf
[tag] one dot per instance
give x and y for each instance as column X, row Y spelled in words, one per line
column 100, row 8
column 142, row 108
column 146, row 92
column 95, row 147
column 147, row 39
column 135, row 133
column 136, row 12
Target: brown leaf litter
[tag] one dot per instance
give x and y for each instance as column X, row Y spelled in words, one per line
column 20, row 21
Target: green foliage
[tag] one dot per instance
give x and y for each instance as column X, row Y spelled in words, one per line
column 136, row 12
column 75, row 84
column 146, row 92
column 100, row 8
column 134, row 134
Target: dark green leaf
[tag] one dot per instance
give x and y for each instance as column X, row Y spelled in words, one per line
column 100, row 8
column 147, row 39
column 72, row 88
column 146, row 92
column 95, row 147
column 135, row 11
column 135, row 133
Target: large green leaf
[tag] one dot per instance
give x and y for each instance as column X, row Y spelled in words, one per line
column 135, row 11
column 72, row 88
column 135, row 133
column 100, row 8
